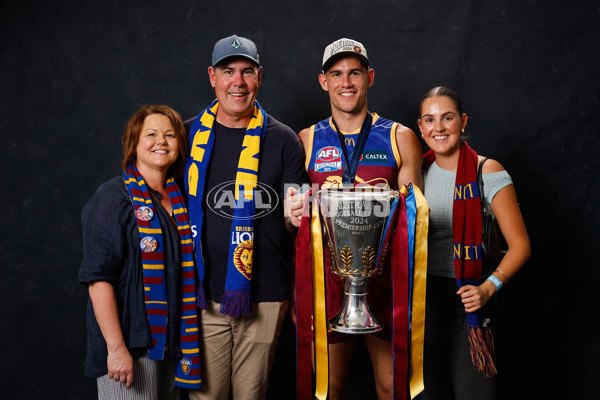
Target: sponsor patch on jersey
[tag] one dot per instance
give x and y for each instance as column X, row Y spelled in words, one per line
column 375, row 158
column 328, row 159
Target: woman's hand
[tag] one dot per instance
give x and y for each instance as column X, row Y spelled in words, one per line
column 120, row 365
column 475, row 297
column 119, row 361
column 507, row 212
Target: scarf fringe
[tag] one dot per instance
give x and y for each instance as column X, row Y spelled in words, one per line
column 201, row 298
column 237, row 303
column 481, row 343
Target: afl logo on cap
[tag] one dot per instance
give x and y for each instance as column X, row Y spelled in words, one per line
column 328, row 154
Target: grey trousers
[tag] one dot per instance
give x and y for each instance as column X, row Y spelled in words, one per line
column 152, row 380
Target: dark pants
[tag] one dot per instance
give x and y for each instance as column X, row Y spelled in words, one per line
column 448, row 371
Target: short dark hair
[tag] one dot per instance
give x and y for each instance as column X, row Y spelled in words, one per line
column 340, row 56
column 131, row 136
column 222, row 63
column 445, row 92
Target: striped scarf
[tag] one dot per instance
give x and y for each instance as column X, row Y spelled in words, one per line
column 237, row 298
column 466, row 234
column 188, row 367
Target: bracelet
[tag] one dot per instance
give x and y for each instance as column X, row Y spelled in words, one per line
column 497, row 282
column 506, row 276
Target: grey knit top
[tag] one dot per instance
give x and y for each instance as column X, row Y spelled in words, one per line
column 439, row 191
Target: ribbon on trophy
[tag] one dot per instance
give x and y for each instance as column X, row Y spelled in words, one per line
column 417, row 227
column 319, row 305
column 406, row 232
column 304, row 305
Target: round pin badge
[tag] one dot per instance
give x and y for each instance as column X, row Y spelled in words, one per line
column 144, row 213
column 148, row 244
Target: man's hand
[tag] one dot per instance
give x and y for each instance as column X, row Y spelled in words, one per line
column 294, row 202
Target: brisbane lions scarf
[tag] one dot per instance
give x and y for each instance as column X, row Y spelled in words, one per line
column 237, row 299
column 151, row 243
column 466, row 234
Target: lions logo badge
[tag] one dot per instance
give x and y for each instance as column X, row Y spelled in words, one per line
column 186, row 365
column 334, row 181
column 243, row 257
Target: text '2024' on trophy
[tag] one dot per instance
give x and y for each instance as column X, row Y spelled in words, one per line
column 354, row 222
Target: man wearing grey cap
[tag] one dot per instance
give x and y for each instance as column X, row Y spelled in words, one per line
column 356, row 147
column 240, row 158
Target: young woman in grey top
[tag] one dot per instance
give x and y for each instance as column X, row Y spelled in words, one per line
column 448, row 370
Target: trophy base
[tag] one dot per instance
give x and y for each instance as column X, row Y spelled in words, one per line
column 355, row 317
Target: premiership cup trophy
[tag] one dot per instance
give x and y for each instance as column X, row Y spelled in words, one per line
column 355, row 223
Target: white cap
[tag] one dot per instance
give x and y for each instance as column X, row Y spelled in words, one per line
column 344, row 47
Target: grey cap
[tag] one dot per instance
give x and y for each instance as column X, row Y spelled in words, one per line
column 234, row 46
column 342, row 48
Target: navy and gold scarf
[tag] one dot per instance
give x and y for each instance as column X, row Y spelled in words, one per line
column 237, row 299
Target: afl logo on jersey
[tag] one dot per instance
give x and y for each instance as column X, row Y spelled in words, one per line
column 328, row 154
column 328, row 159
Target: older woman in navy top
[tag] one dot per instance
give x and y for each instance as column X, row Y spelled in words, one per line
column 121, row 333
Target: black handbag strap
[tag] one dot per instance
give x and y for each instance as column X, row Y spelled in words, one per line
column 482, row 200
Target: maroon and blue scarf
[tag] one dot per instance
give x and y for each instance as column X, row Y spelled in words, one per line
column 188, row 367
column 466, row 234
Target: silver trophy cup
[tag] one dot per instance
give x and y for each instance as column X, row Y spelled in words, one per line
column 354, row 221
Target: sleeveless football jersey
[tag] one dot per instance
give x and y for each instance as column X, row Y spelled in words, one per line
column 379, row 165
column 379, row 162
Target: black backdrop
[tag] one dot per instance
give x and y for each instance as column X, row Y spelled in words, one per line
column 73, row 72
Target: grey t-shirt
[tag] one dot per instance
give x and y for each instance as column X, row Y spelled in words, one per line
column 439, row 191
